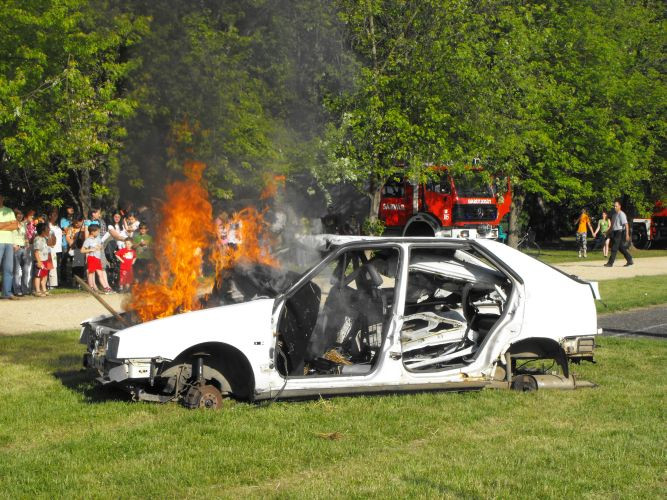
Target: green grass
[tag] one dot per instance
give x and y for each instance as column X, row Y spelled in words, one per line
column 62, row 437
column 628, row 293
column 558, row 255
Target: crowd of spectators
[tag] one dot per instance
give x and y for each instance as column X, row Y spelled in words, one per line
column 44, row 250
column 40, row 251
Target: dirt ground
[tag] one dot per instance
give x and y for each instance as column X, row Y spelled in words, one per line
column 594, row 269
column 66, row 311
column 57, row 312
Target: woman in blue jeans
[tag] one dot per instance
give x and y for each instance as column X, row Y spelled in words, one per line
column 22, row 258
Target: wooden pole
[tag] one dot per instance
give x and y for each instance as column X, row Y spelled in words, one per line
column 106, row 305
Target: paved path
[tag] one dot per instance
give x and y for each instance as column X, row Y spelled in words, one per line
column 56, row 312
column 595, row 270
column 644, row 322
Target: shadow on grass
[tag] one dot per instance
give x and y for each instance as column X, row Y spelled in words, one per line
column 420, row 483
column 82, row 381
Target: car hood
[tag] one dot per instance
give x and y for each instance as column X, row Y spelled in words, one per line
column 242, row 325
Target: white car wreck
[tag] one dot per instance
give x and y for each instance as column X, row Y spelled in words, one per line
column 375, row 315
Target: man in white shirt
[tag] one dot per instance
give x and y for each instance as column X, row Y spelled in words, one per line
column 618, row 229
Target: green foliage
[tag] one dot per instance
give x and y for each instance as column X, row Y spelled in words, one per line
column 568, row 98
column 372, row 227
column 237, row 85
column 61, row 104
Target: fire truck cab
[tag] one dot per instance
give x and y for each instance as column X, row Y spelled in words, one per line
column 653, row 231
column 463, row 207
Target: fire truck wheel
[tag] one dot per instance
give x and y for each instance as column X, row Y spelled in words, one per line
column 205, row 396
column 640, row 238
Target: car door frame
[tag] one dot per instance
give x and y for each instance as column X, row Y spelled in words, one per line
column 469, row 376
column 387, row 370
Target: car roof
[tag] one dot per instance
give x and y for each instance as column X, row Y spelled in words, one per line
column 338, row 240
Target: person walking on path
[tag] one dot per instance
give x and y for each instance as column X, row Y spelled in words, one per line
column 619, row 228
column 583, row 224
column 602, row 229
column 8, row 224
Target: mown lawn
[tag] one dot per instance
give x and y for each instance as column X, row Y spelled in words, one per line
column 62, row 437
column 627, row 293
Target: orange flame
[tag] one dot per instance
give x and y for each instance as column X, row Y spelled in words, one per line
column 254, row 242
column 271, row 186
column 187, row 232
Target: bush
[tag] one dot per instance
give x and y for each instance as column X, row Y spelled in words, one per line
column 372, row 227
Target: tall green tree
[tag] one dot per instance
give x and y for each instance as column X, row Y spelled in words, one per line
column 61, row 99
column 235, row 84
column 567, row 98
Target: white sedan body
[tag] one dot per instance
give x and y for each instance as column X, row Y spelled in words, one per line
column 418, row 347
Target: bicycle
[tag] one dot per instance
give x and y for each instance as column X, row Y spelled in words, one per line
column 528, row 245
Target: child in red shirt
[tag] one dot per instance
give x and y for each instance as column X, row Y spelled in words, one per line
column 126, row 256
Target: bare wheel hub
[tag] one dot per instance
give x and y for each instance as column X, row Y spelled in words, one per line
column 203, row 396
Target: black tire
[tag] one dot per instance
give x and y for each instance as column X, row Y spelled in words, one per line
column 640, row 238
column 524, row 383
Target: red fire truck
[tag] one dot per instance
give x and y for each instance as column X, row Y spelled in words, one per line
column 653, row 231
column 466, row 206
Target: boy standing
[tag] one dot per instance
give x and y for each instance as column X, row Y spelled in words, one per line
column 42, row 258
column 92, row 249
column 127, row 256
column 143, row 243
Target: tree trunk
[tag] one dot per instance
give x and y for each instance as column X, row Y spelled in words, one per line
column 515, row 212
column 374, row 195
column 371, row 22
column 85, row 184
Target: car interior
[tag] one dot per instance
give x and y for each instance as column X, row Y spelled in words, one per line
column 334, row 324
column 454, row 299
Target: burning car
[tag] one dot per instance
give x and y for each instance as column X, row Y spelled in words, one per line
column 374, row 315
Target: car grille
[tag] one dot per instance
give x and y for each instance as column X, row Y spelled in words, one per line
column 475, row 212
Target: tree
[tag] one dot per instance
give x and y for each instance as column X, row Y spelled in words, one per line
column 236, row 85
column 390, row 116
column 61, row 104
column 562, row 97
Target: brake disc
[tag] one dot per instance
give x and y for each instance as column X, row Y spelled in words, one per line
column 204, row 396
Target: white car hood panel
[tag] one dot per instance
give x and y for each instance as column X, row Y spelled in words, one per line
column 246, row 326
